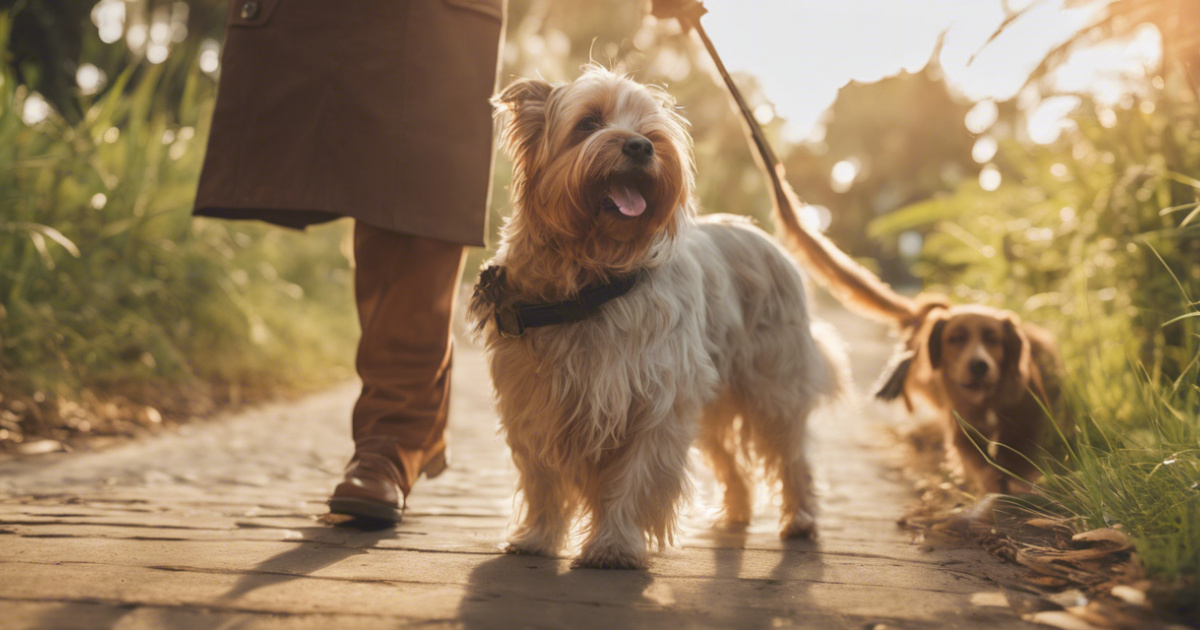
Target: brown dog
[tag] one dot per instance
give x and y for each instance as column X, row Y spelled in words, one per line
column 973, row 364
column 987, row 370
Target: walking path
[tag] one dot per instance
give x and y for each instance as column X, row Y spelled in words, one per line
column 215, row 526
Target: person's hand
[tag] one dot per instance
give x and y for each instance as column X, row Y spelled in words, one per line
column 684, row 10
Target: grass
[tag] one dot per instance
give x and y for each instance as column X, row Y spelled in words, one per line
column 1140, row 470
column 1094, row 237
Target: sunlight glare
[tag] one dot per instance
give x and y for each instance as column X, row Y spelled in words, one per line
column 179, row 20
column 160, row 32
column 804, row 51
column 1049, row 118
column 989, row 178
column 135, row 36
column 909, row 244
column 982, row 116
column 36, row 109
column 1107, row 69
column 156, row 53
column 210, row 56
column 109, row 18
column 89, row 78
column 984, row 149
column 764, row 114
column 816, row 217
column 841, row 178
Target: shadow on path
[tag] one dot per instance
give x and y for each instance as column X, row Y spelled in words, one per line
column 528, row 591
column 736, row 593
column 320, row 547
column 81, row 615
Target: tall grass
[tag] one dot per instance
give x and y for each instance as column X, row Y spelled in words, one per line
column 1094, row 237
column 106, row 282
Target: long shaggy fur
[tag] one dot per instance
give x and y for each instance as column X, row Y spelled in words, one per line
column 600, row 414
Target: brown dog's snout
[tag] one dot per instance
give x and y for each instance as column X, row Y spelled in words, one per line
column 978, row 367
column 638, row 148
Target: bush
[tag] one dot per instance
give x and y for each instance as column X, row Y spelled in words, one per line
column 107, row 282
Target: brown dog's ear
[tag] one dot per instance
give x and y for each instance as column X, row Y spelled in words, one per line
column 894, row 376
column 1018, row 361
column 935, row 342
column 524, row 100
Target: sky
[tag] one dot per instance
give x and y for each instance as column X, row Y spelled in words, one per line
column 803, row 51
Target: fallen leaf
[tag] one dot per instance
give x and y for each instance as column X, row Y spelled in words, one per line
column 1049, row 523
column 1106, row 534
column 1129, row 594
column 1068, row 598
column 993, row 598
column 40, row 447
column 1059, row 619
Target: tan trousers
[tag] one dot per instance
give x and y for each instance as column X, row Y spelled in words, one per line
column 405, row 287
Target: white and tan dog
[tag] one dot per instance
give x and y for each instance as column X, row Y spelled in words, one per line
column 600, row 412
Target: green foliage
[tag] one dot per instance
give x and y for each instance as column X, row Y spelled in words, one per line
column 105, row 280
column 51, row 40
column 906, row 134
column 1094, row 237
column 1141, row 472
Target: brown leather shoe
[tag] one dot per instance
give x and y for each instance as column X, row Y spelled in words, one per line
column 374, row 486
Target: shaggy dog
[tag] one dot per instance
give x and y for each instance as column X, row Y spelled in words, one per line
column 710, row 325
column 973, row 364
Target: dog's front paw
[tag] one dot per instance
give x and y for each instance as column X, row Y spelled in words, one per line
column 800, row 525
column 733, row 524
column 609, row 558
column 516, row 550
column 528, row 547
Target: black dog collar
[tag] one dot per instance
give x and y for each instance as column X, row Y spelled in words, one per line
column 513, row 320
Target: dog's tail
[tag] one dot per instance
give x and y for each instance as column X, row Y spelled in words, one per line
column 834, row 380
column 852, row 284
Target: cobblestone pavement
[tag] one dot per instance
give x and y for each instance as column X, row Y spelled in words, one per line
column 214, row 525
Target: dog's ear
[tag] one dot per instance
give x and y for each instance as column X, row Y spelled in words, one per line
column 1017, row 366
column 894, row 376
column 524, row 101
column 935, row 342
column 927, row 304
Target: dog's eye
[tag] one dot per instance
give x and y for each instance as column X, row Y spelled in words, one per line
column 588, row 124
column 957, row 340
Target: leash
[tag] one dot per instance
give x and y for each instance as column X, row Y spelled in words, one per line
column 782, row 194
column 851, row 283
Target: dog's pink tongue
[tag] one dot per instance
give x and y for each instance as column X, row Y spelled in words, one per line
column 628, row 200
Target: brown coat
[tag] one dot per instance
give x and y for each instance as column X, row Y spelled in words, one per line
column 372, row 109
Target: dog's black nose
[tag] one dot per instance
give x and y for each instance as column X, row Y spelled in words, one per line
column 978, row 367
column 638, row 148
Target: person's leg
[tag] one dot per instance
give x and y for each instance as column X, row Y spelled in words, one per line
column 405, row 287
